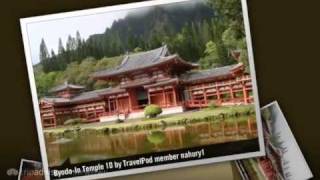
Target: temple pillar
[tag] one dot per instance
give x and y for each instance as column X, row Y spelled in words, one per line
column 54, row 117
column 117, row 104
column 218, row 93
column 86, row 112
column 149, row 97
column 191, row 96
column 205, row 95
column 245, row 94
column 130, row 102
column 174, row 96
column 164, row 97
column 109, row 105
column 231, row 93
column 95, row 111
column 54, row 120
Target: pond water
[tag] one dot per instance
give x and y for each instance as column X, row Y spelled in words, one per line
column 97, row 146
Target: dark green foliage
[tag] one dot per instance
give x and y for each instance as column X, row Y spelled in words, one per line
column 76, row 73
column 89, row 131
column 106, row 130
column 152, row 111
column 233, row 34
column 45, row 81
column 137, row 49
column 230, row 11
column 44, row 54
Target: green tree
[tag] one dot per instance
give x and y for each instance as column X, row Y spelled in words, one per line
column 205, row 32
column 53, row 54
column 244, row 54
column 230, row 11
column 232, row 26
column 137, row 49
column 211, row 58
column 78, row 40
column 229, row 38
column 61, row 49
column 71, row 44
column 99, row 84
column 44, row 54
column 45, row 81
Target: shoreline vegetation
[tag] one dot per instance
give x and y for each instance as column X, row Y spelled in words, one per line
column 226, row 115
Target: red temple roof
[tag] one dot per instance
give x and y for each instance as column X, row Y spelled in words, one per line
column 55, row 100
column 83, row 97
column 64, row 87
column 144, row 60
column 110, row 91
column 210, row 74
column 138, row 82
column 163, row 83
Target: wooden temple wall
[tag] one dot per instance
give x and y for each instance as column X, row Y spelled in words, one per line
column 117, row 104
column 53, row 116
column 123, row 105
column 47, row 113
column 133, row 102
column 90, row 112
column 163, row 96
column 228, row 92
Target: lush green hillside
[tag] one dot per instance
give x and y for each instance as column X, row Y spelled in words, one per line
column 204, row 32
column 146, row 30
column 76, row 72
column 149, row 29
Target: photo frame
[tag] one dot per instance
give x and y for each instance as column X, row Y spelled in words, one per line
column 284, row 159
column 235, row 103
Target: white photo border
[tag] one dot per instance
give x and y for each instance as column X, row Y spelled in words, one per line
column 25, row 21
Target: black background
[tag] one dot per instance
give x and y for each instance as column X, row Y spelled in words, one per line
column 287, row 53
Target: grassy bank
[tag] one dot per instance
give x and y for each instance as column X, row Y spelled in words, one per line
column 227, row 113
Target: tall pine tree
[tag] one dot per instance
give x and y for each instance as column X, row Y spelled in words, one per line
column 61, row 49
column 78, row 40
column 44, row 54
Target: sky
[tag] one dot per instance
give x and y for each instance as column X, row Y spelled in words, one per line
column 52, row 30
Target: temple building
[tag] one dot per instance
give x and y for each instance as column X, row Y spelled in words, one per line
column 152, row 77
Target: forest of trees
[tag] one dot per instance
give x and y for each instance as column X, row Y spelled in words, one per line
column 204, row 32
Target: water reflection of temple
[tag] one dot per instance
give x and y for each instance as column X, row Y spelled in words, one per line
column 95, row 146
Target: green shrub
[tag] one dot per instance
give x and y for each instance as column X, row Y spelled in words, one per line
column 74, row 121
column 152, row 111
column 115, row 130
column 107, row 130
column 69, row 133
